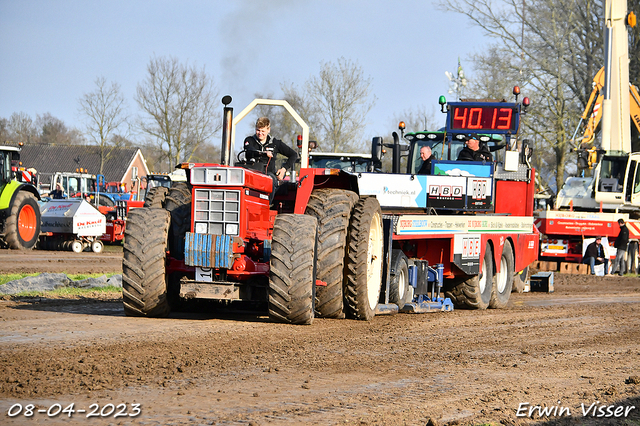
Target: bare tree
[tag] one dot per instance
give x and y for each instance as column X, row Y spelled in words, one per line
column 180, row 104
column 104, row 111
column 335, row 104
column 555, row 47
column 45, row 129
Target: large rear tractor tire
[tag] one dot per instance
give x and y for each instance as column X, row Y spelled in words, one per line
column 144, row 287
column 332, row 209
column 400, row 290
column 22, row 227
column 475, row 292
column 156, row 197
column 178, row 195
column 292, row 276
column 178, row 203
column 503, row 281
column 364, row 260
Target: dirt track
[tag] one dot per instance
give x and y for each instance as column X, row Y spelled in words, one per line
column 578, row 345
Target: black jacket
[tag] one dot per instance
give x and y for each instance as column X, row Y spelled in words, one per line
column 622, row 241
column 425, row 169
column 256, row 150
column 481, row 154
column 594, row 250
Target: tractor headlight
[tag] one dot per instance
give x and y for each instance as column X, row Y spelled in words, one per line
column 231, row 229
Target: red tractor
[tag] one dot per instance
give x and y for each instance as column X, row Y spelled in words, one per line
column 217, row 236
column 319, row 245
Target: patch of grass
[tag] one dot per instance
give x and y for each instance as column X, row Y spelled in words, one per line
column 78, row 277
column 5, row 278
column 69, row 291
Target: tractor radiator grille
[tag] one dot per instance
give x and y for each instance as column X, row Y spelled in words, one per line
column 217, row 212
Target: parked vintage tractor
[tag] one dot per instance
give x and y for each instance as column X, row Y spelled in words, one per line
column 19, row 211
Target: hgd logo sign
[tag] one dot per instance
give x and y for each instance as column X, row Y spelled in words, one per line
column 445, row 191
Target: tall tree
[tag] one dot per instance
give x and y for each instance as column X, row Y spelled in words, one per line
column 335, row 104
column 180, row 105
column 104, row 111
column 555, row 46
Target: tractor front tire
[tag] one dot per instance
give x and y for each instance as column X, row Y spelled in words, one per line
column 475, row 292
column 22, row 227
column 292, row 276
column 332, row 208
column 144, row 288
column 364, row 260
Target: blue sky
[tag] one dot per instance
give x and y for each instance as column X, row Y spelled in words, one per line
column 52, row 51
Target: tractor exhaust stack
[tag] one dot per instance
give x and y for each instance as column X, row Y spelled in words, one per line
column 227, row 120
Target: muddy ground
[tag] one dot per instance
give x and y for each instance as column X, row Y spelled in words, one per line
column 576, row 347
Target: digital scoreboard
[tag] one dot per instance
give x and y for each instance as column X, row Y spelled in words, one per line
column 467, row 117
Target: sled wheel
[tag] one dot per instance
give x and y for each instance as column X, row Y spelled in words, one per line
column 77, row 246
column 97, row 246
column 474, row 292
column 503, row 281
column 399, row 288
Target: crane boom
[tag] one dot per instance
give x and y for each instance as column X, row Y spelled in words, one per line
column 616, row 132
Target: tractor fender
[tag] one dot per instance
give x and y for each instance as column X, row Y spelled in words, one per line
column 10, row 191
column 313, row 178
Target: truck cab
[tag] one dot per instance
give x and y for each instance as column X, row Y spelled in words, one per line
column 442, row 147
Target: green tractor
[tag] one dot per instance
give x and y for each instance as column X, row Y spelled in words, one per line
column 19, row 210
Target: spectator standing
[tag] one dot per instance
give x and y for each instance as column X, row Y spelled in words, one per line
column 621, row 244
